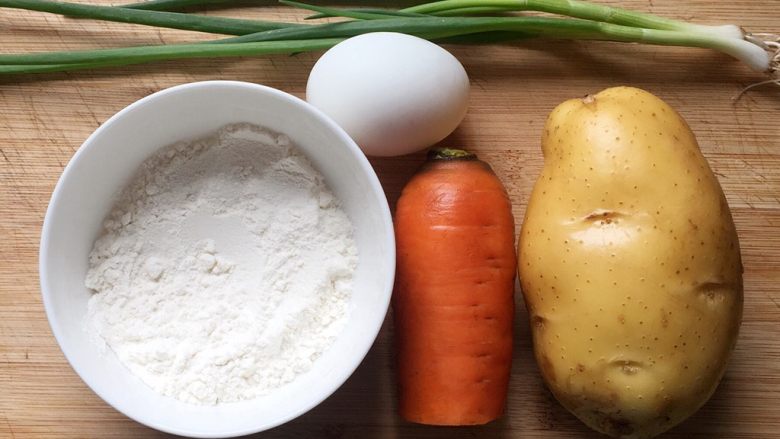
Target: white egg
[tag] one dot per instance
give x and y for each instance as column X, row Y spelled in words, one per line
column 392, row 93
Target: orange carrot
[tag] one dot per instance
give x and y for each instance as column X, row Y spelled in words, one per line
column 453, row 301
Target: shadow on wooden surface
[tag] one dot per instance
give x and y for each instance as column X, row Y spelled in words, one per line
column 355, row 410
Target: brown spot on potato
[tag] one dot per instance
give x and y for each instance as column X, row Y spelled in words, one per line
column 628, row 367
column 580, row 367
column 714, row 292
column 603, row 216
column 622, row 319
column 614, row 425
column 538, row 322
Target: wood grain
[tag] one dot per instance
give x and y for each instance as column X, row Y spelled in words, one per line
column 44, row 119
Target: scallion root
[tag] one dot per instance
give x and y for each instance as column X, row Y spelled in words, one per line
column 770, row 43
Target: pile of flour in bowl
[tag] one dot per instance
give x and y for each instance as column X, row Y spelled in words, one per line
column 224, row 269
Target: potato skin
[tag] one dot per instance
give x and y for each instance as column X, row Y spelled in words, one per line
column 629, row 264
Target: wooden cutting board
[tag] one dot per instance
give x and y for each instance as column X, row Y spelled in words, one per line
column 44, row 119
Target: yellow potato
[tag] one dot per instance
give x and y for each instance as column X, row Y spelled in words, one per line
column 630, row 265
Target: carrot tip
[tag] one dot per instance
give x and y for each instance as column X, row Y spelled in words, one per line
column 450, row 154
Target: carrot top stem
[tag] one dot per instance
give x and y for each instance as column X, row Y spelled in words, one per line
column 450, row 154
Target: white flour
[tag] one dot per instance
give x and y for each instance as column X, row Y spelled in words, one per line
column 224, row 270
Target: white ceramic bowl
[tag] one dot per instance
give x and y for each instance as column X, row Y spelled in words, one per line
column 107, row 161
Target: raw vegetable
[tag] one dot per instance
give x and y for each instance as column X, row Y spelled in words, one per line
column 453, row 300
column 174, row 20
column 177, row 5
column 630, row 265
column 590, row 22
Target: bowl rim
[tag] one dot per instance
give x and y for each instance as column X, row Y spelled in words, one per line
column 88, row 145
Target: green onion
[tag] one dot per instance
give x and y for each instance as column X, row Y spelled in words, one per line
column 580, row 9
column 178, row 5
column 473, row 10
column 427, row 27
column 431, row 28
column 443, row 13
column 485, row 38
column 142, row 54
column 384, row 12
column 590, row 22
column 175, row 20
column 480, row 38
column 346, row 13
column 753, row 55
column 48, row 68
